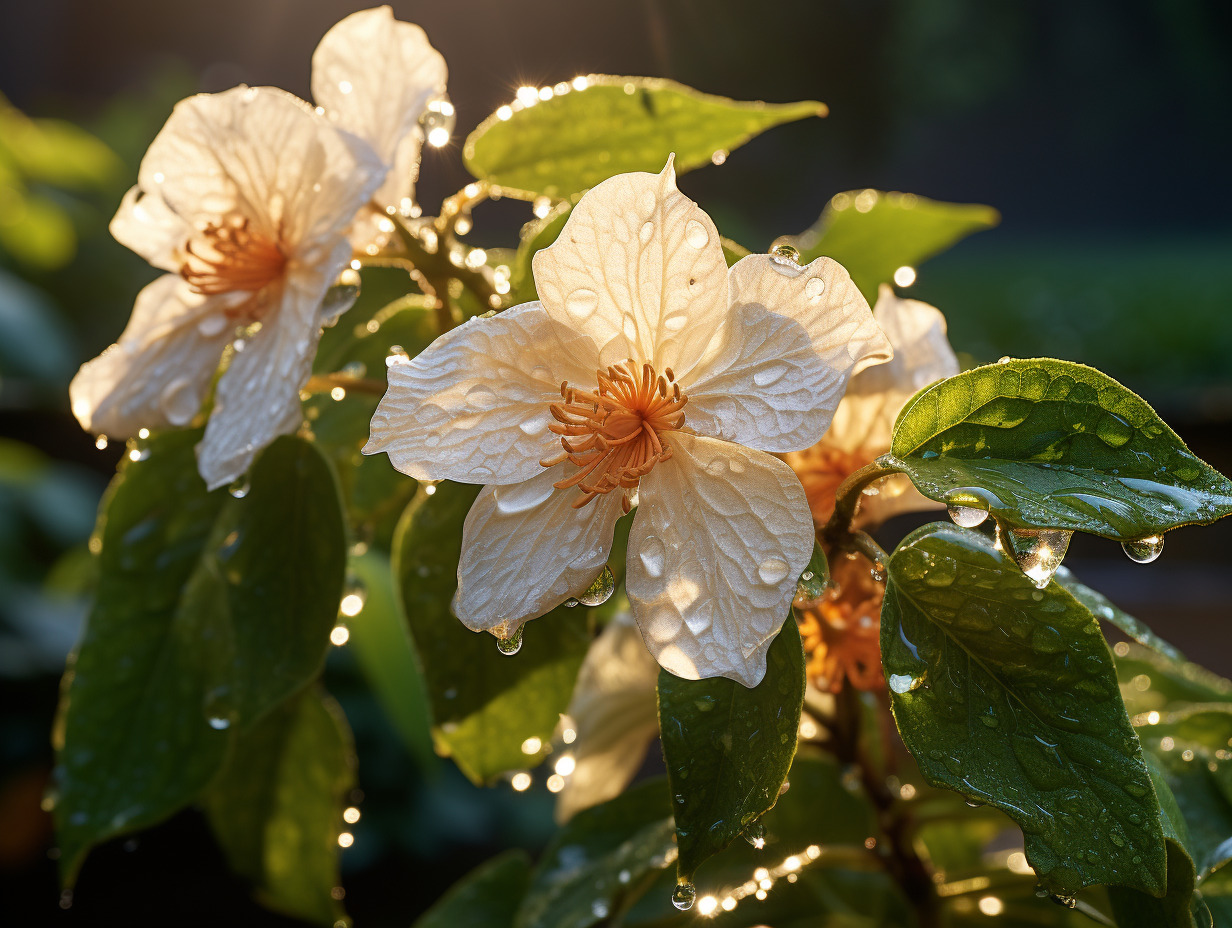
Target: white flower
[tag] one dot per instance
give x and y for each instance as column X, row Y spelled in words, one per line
column 659, row 373
column 615, row 715
column 864, row 422
column 375, row 77
column 244, row 197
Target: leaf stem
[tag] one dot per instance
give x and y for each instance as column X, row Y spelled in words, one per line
column 837, row 532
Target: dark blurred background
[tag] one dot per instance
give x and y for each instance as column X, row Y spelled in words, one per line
column 1099, row 128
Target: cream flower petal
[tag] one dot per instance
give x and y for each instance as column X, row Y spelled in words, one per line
column 226, row 153
column 639, row 268
column 144, row 223
column 761, row 389
column 257, row 398
column 525, row 550
column 159, row 371
column 614, row 711
column 474, row 406
column 721, row 536
column 375, row 77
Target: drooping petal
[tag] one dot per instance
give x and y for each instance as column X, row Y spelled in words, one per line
column 144, row 223
column 639, row 268
column 762, row 388
column 474, row 406
column 922, row 355
column 159, row 371
column 257, row 398
column 614, row 712
column 375, row 76
column 525, row 550
column 721, row 536
column 230, row 154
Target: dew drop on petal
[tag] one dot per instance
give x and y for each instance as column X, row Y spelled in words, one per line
column 582, row 303
column 647, row 232
column 600, row 591
column 239, row 489
column 1144, row 550
column 966, row 516
column 512, row 644
column 652, row 556
column 481, row 397
column 772, row 570
column 521, row 497
column 814, row 288
column 695, row 234
column 770, row 374
column 787, row 253
column 179, row 401
column 683, row 896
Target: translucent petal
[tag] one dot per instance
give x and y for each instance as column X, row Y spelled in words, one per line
column 525, row 550
column 474, row 406
column 721, row 536
column 159, row 371
column 145, row 224
column 639, row 268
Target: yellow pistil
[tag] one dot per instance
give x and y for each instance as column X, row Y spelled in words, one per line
column 614, row 432
column 229, row 257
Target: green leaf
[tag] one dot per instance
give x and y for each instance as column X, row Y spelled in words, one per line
column 276, row 808
column 210, row 611
column 1169, row 680
column 487, row 897
column 596, row 860
column 382, row 647
column 1176, row 907
column 37, row 232
column 815, row 577
column 484, row 704
column 572, row 141
column 537, row 234
column 1007, row 694
column 872, row 234
column 55, row 151
column 728, row 748
column 1052, row 444
column 1101, row 607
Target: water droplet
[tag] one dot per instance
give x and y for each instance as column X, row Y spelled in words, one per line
column 1005, row 360
column 240, row 488
column 600, row 591
column 772, row 570
column 521, row 497
column 179, row 401
column 219, row 723
column 582, row 303
column 647, row 232
column 769, row 374
column 598, row 908
column 904, row 682
column 341, row 296
column 481, row 397
column 683, row 896
column 966, row 516
column 511, row 645
column 1038, row 552
column 438, row 121
column 652, row 555
column 695, row 234
column 755, row 834
column 878, row 573
column 814, row 289
column 787, row 253
column 571, row 603
column 1144, row 550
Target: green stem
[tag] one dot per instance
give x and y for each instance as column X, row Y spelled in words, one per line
column 837, row 531
column 436, row 268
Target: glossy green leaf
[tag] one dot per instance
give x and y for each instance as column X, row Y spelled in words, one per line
column 1007, row 694
column 487, row 897
column 873, row 234
column 276, row 807
column 537, row 234
column 1177, row 906
column 484, row 704
column 570, row 142
column 382, row 647
column 728, row 748
column 1103, row 608
column 210, row 611
column 599, row 857
column 1052, row 444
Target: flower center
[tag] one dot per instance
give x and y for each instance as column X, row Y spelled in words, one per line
column 614, row 432
column 230, row 257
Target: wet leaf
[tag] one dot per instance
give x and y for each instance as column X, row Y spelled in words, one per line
column 728, row 748
column 537, row 234
column 1103, row 608
column 567, row 144
column 1007, row 694
column 276, row 808
column 873, row 234
column 484, row 704
column 1050, row 444
column 382, row 647
column 1169, row 680
column 600, row 857
column 815, row 577
column 210, row 611
column 487, row 897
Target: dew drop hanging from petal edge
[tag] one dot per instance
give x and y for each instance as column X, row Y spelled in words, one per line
column 683, row 896
column 511, row 645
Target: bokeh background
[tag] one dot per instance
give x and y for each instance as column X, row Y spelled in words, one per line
column 1099, row 128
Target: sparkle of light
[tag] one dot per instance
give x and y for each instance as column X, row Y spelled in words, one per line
column 556, row 783
column 351, row 604
column 531, row 745
column 350, row 815
column 904, row 276
column 991, row 905
column 707, row 905
column 565, row 766
column 520, row 782
column 346, row 839
column 340, row 635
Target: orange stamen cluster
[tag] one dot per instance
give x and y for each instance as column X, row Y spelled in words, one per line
column 613, row 433
column 841, row 629
column 227, row 257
